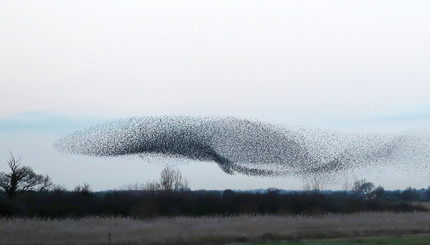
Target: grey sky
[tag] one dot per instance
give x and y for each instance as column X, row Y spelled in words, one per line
column 317, row 63
column 138, row 57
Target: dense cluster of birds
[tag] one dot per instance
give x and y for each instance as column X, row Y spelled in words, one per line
column 246, row 146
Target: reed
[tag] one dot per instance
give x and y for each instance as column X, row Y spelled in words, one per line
column 96, row 230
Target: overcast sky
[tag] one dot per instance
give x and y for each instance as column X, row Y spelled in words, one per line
column 346, row 64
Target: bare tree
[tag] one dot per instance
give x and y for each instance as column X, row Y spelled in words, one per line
column 171, row 180
column 85, row 189
column 313, row 183
column 22, row 179
column 148, row 186
column 347, row 185
column 152, row 186
column 363, row 187
column 378, row 192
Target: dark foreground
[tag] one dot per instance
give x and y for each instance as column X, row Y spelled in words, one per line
column 152, row 204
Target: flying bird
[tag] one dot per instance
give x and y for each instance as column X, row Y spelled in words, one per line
column 237, row 145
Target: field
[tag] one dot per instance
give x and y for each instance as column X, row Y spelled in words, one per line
column 96, row 230
column 408, row 240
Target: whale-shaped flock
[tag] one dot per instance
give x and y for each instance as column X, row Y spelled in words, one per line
column 244, row 146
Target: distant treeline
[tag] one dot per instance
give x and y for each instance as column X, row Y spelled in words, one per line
column 147, row 204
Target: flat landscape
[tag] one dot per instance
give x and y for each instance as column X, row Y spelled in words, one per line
column 407, row 240
column 217, row 230
column 215, row 122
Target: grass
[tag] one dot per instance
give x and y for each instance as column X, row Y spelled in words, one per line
column 197, row 230
column 408, row 240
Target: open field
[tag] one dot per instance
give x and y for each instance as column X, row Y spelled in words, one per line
column 408, row 240
column 95, row 230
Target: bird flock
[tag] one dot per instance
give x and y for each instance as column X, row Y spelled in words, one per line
column 249, row 147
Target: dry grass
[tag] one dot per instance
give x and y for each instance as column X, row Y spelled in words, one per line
column 95, row 230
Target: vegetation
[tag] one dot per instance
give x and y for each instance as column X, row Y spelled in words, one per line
column 215, row 229
column 170, row 196
column 46, row 212
column 408, row 240
column 22, row 179
column 170, row 180
column 145, row 204
column 363, row 187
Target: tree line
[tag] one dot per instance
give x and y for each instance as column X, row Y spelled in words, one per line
column 27, row 194
column 147, row 204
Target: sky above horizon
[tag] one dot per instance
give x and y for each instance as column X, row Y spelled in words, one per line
column 355, row 66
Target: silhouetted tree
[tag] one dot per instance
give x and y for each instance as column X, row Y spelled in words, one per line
column 363, row 187
column 313, row 183
column 378, row 192
column 84, row 189
column 152, row 186
column 171, row 180
column 410, row 194
column 22, row 179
